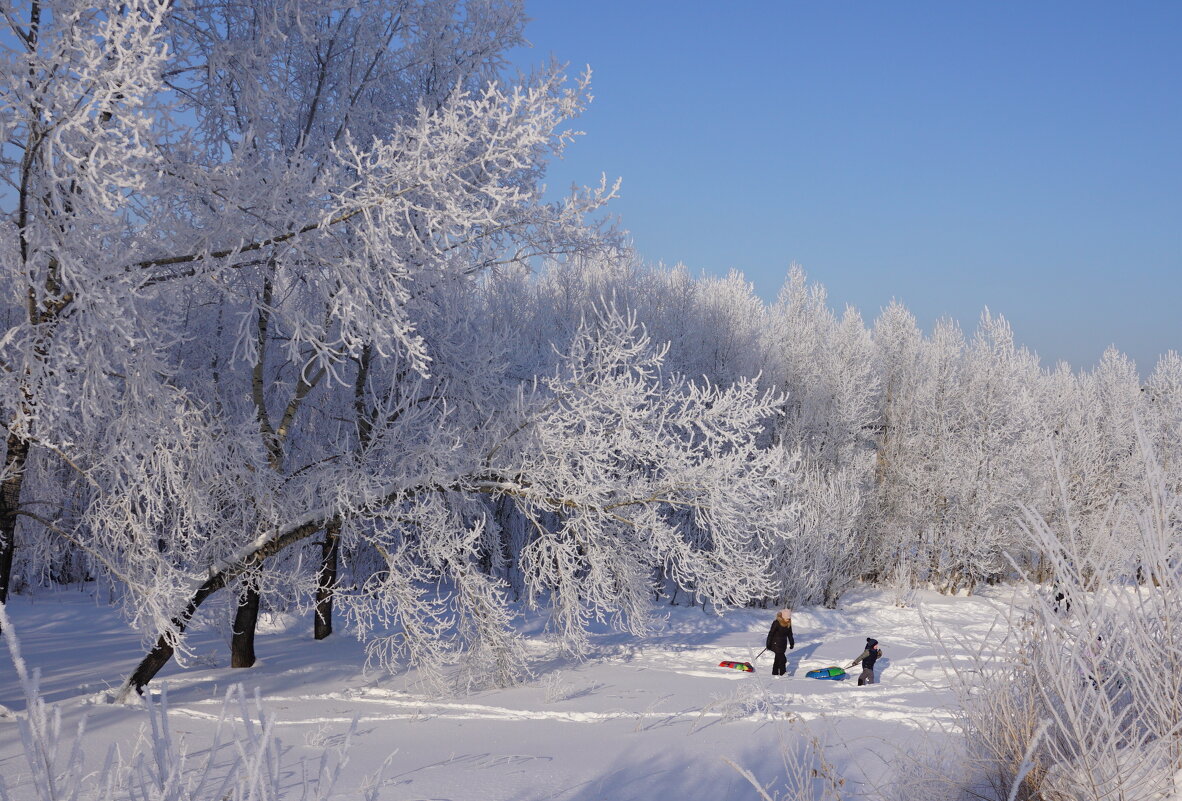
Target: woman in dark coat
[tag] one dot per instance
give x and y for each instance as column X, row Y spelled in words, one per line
column 779, row 640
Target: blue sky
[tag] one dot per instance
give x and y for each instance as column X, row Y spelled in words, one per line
column 1021, row 156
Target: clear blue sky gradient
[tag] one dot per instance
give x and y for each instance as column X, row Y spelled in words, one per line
column 1021, row 156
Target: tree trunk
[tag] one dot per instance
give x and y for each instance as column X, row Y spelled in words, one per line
column 246, row 620
column 160, row 654
column 163, row 650
column 327, row 579
column 10, row 495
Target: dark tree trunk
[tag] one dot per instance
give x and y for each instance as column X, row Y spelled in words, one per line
column 327, row 579
column 163, row 650
column 246, row 620
column 10, row 496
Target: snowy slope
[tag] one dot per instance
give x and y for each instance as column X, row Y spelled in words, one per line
column 641, row 719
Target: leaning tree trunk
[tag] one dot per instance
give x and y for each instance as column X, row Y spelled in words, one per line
column 327, row 578
column 164, row 648
column 246, row 621
column 10, row 494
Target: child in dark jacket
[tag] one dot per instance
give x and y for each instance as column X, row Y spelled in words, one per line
column 868, row 657
column 779, row 640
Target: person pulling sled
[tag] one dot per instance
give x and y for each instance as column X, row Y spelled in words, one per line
column 868, row 657
column 779, row 640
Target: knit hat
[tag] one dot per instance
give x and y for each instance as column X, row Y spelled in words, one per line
column 871, row 642
column 785, row 613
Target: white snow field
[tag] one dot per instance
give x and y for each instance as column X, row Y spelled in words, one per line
column 652, row 718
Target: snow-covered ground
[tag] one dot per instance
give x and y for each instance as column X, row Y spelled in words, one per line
column 642, row 719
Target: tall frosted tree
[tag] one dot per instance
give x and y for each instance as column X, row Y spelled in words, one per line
column 1098, row 457
column 1001, row 467
column 268, row 196
column 825, row 368
column 81, row 116
column 312, row 96
column 1162, row 417
column 898, row 349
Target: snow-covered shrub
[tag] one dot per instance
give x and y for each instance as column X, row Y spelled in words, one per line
column 41, row 734
column 933, row 768
column 808, row 775
column 746, row 701
column 556, row 688
column 1081, row 699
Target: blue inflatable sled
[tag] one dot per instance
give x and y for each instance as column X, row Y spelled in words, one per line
column 835, row 673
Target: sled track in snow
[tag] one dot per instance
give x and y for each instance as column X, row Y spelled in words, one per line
column 382, row 705
column 412, row 709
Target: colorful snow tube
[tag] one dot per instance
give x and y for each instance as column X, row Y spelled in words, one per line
column 743, row 666
column 827, row 673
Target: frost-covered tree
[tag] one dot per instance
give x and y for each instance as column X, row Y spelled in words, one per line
column 898, row 344
column 618, row 469
column 1096, row 464
column 1113, row 392
column 1001, row 466
column 712, row 330
column 80, row 115
column 934, row 495
column 803, row 325
column 222, row 214
column 312, row 96
column 825, row 368
column 1162, row 417
column 960, row 450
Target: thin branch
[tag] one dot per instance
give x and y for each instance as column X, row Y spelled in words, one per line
column 25, row 36
column 302, row 389
column 115, row 571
